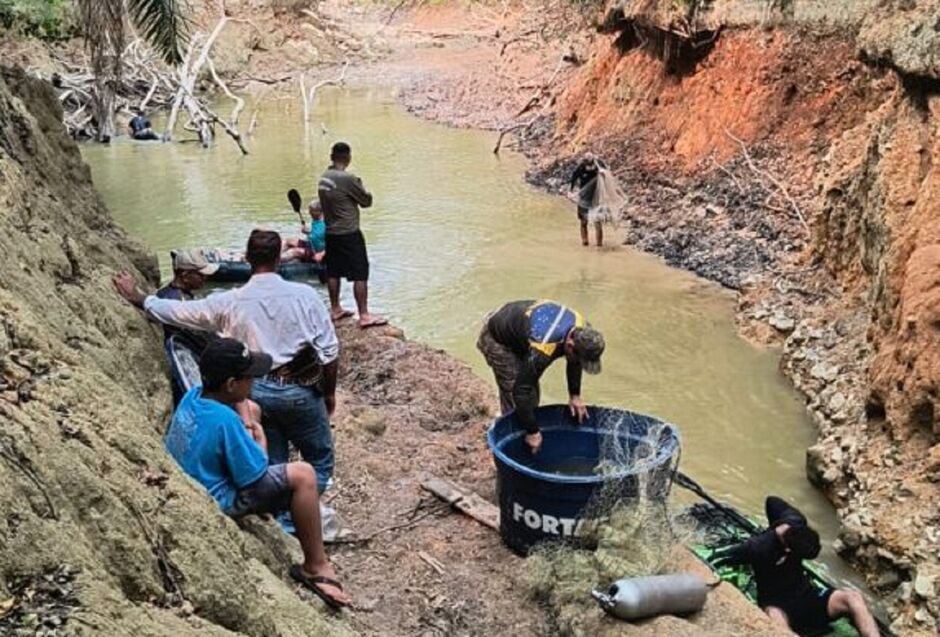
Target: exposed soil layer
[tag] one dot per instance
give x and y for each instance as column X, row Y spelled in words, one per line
column 790, row 156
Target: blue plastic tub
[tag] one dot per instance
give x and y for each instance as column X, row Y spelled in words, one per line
column 542, row 496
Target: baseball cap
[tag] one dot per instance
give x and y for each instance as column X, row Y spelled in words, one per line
column 228, row 358
column 588, row 346
column 194, row 260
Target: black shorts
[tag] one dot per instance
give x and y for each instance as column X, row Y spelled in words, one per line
column 268, row 494
column 346, row 257
column 806, row 610
column 583, row 213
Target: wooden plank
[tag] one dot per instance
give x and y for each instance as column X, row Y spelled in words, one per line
column 464, row 500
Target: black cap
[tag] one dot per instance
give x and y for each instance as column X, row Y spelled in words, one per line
column 227, row 358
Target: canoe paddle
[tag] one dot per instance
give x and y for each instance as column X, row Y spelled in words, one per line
column 295, row 201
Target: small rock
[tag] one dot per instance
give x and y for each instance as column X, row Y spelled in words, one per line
column 839, row 417
column 824, row 372
column 924, row 586
column 923, row 616
column 905, row 590
column 836, row 457
column 837, row 402
column 782, row 323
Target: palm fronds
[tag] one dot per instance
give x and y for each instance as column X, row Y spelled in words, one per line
column 162, row 24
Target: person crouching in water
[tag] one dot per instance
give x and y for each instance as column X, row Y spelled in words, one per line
column 217, row 439
column 784, row 590
column 313, row 247
column 521, row 339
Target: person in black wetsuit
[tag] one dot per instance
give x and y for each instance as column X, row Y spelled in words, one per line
column 140, row 127
column 783, row 589
column 584, row 179
column 190, row 270
column 521, row 339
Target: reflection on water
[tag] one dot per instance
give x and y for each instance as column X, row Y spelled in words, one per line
column 454, row 233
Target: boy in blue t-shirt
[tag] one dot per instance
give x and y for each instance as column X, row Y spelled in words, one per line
column 313, row 248
column 216, row 437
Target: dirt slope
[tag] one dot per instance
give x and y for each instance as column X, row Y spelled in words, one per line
column 89, row 496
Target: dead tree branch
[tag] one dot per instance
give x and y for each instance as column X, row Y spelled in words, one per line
column 239, row 102
column 510, row 129
column 769, row 177
column 308, row 97
column 543, row 90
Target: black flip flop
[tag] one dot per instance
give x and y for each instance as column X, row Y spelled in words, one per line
column 310, row 583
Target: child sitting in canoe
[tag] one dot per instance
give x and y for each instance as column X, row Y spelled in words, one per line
column 313, row 248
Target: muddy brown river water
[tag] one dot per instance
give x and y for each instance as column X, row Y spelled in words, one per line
column 455, row 231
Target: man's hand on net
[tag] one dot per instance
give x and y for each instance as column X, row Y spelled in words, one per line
column 534, row 441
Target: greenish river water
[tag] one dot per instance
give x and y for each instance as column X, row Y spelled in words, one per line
column 454, row 233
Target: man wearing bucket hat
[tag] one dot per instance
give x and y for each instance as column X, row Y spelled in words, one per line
column 521, row 339
column 190, row 270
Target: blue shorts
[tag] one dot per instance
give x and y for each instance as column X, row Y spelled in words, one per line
column 268, row 494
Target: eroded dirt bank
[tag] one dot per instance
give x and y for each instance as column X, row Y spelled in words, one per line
column 790, row 155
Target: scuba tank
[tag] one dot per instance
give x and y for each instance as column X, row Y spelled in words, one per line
column 639, row 597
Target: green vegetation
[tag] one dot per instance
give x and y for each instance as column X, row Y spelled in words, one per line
column 45, row 19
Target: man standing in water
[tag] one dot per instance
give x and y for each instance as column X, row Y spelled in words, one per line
column 783, row 588
column 584, row 179
column 521, row 339
column 288, row 322
column 341, row 193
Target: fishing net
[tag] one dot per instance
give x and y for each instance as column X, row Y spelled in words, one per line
column 609, row 199
column 628, row 528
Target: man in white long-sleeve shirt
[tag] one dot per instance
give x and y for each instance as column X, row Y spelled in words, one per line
column 287, row 321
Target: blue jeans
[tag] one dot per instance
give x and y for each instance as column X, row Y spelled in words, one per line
column 296, row 414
